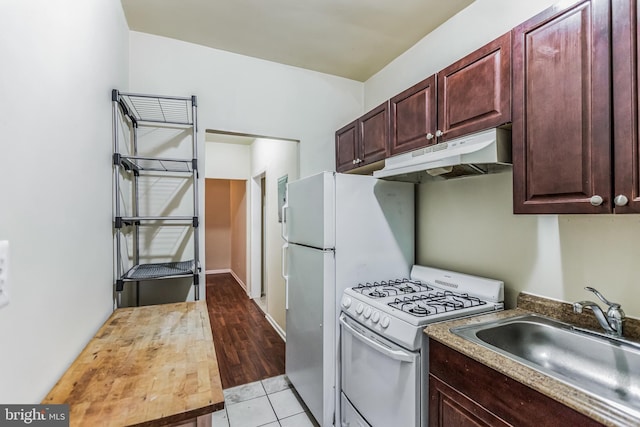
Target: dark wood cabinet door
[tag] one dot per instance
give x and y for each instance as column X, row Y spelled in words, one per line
column 474, row 93
column 448, row 407
column 413, row 117
column 561, row 110
column 625, row 104
column 469, row 391
column 346, row 147
column 374, row 135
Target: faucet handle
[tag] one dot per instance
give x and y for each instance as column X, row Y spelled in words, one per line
column 602, row 298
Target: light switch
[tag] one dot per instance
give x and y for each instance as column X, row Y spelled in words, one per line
column 4, row 273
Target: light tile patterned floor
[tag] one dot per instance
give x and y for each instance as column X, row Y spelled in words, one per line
column 267, row 403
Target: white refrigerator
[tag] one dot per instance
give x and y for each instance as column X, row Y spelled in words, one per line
column 339, row 230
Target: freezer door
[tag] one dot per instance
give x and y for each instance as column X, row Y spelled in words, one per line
column 310, row 214
column 310, row 360
column 374, row 230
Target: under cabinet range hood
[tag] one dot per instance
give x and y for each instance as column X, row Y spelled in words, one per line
column 476, row 154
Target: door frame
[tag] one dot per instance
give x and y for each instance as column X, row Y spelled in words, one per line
column 255, row 287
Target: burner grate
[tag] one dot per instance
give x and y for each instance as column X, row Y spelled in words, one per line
column 435, row 303
column 388, row 288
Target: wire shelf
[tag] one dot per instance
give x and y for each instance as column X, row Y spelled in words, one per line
column 159, row 109
column 164, row 270
column 137, row 163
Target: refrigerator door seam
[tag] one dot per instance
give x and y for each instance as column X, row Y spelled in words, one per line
column 314, row 247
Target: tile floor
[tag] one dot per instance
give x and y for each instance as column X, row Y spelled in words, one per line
column 269, row 403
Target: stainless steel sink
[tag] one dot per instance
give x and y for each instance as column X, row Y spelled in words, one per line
column 601, row 366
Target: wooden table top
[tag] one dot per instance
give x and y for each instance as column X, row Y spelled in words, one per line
column 150, row 366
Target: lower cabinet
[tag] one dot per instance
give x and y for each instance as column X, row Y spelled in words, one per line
column 449, row 407
column 463, row 392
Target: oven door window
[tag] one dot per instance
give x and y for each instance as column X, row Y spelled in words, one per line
column 380, row 378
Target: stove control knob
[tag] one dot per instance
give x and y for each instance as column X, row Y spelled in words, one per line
column 385, row 322
column 375, row 317
column 346, row 302
column 367, row 312
column 359, row 308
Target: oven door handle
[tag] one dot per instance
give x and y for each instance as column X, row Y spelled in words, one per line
column 393, row 354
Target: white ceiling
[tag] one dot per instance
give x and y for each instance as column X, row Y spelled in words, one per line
column 348, row 38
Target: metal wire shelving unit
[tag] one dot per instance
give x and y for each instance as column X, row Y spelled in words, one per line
column 134, row 111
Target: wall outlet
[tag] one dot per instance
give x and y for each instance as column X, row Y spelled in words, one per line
column 4, row 273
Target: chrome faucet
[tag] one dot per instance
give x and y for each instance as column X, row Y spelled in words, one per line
column 612, row 321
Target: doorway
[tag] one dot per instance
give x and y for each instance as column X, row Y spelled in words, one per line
column 225, row 228
column 261, row 162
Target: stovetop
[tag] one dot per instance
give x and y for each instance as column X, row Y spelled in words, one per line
column 401, row 308
column 413, row 301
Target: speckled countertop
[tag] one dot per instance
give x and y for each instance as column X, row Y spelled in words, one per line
column 568, row 395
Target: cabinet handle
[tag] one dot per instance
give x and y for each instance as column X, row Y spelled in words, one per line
column 439, row 133
column 596, row 200
column 621, row 200
column 429, row 135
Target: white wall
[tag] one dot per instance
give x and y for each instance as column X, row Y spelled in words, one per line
column 275, row 159
column 468, row 225
column 252, row 96
column 226, row 161
column 60, row 61
column 551, row 255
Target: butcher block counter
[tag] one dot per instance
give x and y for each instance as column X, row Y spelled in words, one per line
column 146, row 366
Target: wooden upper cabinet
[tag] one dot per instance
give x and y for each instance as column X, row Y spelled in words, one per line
column 474, row 93
column 626, row 52
column 374, row 135
column 561, row 131
column 468, row 96
column 363, row 141
column 346, row 146
column 413, row 117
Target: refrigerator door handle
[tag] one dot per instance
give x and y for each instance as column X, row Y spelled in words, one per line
column 283, row 230
column 285, row 249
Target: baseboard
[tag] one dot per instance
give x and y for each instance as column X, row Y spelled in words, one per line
column 222, row 270
column 244, row 286
column 277, row 327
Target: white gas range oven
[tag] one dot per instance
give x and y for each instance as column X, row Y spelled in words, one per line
column 384, row 366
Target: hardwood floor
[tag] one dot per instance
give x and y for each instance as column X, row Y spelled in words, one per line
column 247, row 347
